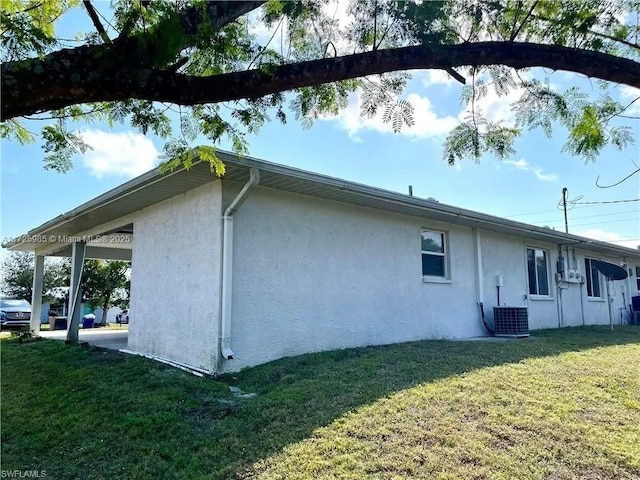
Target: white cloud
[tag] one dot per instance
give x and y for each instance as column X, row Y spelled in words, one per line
column 627, row 94
column 123, row 154
column 494, row 107
column 523, row 165
column 427, row 123
column 434, row 77
column 606, row 236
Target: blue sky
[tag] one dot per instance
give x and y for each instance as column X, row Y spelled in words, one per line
column 525, row 188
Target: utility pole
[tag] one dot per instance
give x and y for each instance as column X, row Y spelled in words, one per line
column 564, row 206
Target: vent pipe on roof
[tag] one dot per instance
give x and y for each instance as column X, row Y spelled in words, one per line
column 227, row 264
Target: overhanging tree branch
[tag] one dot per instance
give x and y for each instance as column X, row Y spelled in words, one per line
column 144, row 46
column 94, row 73
column 96, row 21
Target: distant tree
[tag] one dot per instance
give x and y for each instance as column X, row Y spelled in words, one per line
column 17, row 276
column 105, row 283
column 203, row 61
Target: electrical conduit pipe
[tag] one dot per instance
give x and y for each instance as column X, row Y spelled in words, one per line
column 227, row 264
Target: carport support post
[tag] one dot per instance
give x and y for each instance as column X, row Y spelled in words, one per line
column 36, row 293
column 78, row 251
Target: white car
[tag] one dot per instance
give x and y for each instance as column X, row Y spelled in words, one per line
column 123, row 317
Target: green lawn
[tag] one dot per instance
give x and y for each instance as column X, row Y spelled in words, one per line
column 564, row 404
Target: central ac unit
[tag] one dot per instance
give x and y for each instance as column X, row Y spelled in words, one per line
column 511, row 321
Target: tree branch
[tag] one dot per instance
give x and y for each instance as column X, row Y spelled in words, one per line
column 143, row 47
column 96, row 21
column 618, row 182
column 95, row 73
column 516, row 31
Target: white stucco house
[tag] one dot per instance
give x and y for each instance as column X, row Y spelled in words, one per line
column 270, row 261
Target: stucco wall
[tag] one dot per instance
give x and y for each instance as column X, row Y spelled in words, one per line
column 503, row 255
column 175, row 279
column 596, row 309
column 506, row 255
column 313, row 275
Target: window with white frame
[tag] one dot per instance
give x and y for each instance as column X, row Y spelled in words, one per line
column 538, row 271
column 592, row 278
column 638, row 277
column 434, row 254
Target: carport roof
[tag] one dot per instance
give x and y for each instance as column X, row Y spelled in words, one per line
column 154, row 187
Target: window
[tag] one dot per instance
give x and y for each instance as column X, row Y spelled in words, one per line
column 593, row 278
column 538, row 271
column 434, row 252
column 638, row 277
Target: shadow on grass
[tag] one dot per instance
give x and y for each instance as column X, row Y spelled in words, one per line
column 96, row 414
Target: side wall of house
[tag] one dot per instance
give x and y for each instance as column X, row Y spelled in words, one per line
column 506, row 256
column 175, row 279
column 594, row 309
column 312, row 275
column 567, row 304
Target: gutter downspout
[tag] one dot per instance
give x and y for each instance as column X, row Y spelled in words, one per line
column 582, row 300
column 477, row 244
column 227, row 264
column 479, row 274
column 558, row 277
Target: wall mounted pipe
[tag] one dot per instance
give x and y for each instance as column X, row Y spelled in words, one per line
column 477, row 246
column 582, row 300
column 199, row 372
column 227, row 264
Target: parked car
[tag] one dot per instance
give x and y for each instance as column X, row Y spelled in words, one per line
column 14, row 313
column 123, row 317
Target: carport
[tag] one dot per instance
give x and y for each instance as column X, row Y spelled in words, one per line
column 54, row 240
column 98, row 337
column 105, row 228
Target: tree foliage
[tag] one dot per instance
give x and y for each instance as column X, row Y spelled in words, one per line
column 182, row 68
column 105, row 283
column 17, row 277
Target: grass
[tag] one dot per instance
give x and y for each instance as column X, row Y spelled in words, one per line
column 562, row 405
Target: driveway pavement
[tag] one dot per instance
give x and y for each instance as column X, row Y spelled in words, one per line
column 99, row 337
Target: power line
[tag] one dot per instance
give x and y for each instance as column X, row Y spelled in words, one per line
column 611, row 201
column 631, row 239
column 601, row 223
column 530, row 213
column 556, row 220
column 581, row 205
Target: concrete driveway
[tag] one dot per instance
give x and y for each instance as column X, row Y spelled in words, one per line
column 99, row 337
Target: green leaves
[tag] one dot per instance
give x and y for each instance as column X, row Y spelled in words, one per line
column 17, row 276
column 61, row 147
column 471, row 139
column 177, row 154
column 399, row 113
column 169, row 40
column 591, row 132
column 14, row 130
column 588, row 123
column 105, row 281
column 27, row 27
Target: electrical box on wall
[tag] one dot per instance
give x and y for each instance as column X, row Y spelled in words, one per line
column 573, row 276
